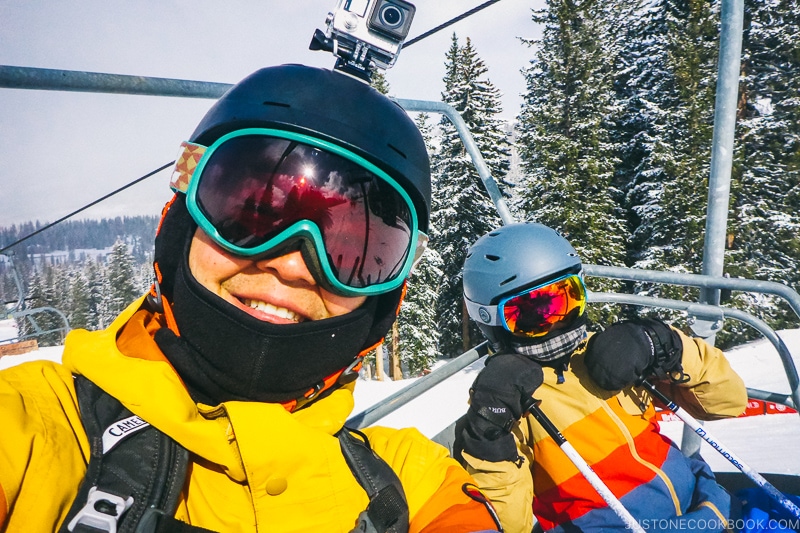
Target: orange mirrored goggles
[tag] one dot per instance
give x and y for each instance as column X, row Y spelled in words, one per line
column 538, row 310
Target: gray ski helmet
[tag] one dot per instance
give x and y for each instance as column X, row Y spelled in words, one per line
column 334, row 107
column 511, row 259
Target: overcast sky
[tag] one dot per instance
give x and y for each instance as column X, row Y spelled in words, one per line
column 61, row 150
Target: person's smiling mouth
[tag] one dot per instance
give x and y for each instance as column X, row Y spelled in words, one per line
column 270, row 309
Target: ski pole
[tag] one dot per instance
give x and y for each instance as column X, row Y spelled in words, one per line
column 692, row 422
column 590, row 475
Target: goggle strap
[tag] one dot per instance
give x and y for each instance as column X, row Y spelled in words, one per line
column 185, row 165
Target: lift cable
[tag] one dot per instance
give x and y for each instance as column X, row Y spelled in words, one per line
column 405, row 45
column 449, row 22
column 62, row 219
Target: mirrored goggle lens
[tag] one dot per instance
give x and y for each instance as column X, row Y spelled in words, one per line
column 253, row 187
column 539, row 310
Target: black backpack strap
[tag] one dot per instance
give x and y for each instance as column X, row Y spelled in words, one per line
column 135, row 473
column 387, row 511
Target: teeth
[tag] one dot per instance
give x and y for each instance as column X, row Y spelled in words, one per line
column 272, row 310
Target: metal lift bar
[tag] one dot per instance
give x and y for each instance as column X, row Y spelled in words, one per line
column 46, row 79
column 391, row 403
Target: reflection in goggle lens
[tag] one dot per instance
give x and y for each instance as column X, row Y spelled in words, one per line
column 537, row 311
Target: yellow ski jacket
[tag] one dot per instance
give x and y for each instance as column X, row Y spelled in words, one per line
column 253, row 466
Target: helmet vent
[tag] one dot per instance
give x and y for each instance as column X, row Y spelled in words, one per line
column 508, row 280
column 276, row 104
column 402, row 154
column 492, row 257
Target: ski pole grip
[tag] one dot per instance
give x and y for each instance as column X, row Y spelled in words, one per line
column 528, row 403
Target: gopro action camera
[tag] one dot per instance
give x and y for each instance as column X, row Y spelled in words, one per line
column 365, row 34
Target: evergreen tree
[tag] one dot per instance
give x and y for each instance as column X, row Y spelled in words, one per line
column 79, row 309
column 565, row 143
column 44, row 325
column 122, row 288
column 94, row 280
column 416, row 323
column 34, row 296
column 462, row 210
column 763, row 238
column 680, row 157
column 379, row 82
column 642, row 87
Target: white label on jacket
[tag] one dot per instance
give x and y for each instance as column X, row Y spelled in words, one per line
column 121, row 429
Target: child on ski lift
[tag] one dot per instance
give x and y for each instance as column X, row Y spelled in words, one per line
column 523, row 287
column 217, row 401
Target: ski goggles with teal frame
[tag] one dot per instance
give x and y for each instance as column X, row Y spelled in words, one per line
column 536, row 311
column 259, row 192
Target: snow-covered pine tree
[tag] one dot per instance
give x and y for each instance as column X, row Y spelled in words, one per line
column 95, row 285
column 462, row 210
column 642, row 82
column 764, row 231
column 35, row 294
column 416, row 323
column 671, row 233
column 122, row 288
column 565, row 145
column 79, row 308
column 379, row 82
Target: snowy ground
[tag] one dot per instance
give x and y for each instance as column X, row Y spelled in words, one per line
column 767, row 443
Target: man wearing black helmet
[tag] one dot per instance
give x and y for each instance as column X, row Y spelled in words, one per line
column 218, row 399
column 523, row 287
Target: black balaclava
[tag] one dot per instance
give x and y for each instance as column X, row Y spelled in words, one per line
column 225, row 354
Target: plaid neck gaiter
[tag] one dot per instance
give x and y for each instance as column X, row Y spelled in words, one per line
column 554, row 348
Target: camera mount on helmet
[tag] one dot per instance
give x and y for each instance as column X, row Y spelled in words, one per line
column 365, row 34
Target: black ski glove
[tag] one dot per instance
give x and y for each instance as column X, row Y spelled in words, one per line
column 498, row 398
column 632, row 350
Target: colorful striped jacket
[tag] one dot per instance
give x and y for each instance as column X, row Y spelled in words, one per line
column 618, row 437
column 253, row 466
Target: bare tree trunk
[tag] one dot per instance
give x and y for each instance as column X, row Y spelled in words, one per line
column 465, row 340
column 379, row 375
column 396, row 371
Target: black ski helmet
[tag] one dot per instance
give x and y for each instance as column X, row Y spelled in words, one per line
column 509, row 260
column 330, row 106
column 325, row 104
